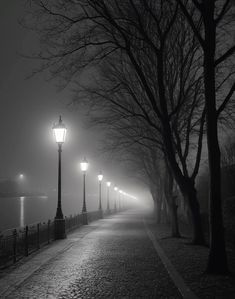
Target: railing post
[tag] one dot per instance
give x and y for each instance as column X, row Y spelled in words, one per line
column 14, row 245
column 38, row 236
column 48, row 231
column 26, row 240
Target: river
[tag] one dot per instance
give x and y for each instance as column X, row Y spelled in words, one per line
column 20, row 211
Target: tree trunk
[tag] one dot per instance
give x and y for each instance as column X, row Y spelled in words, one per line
column 174, row 218
column 182, row 180
column 164, row 211
column 159, row 215
column 157, row 210
column 217, row 261
column 157, row 202
column 187, row 187
column 198, row 234
column 169, row 182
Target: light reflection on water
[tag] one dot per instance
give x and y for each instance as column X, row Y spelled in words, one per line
column 21, row 211
column 24, row 210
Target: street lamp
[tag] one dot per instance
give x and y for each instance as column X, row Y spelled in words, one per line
column 59, row 130
column 84, row 167
column 108, row 186
column 100, row 178
column 115, row 200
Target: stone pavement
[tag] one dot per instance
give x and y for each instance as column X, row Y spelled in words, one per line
column 110, row 258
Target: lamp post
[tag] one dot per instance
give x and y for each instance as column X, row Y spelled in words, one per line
column 100, row 178
column 120, row 192
column 59, row 130
column 115, row 200
column 84, row 167
column 108, row 186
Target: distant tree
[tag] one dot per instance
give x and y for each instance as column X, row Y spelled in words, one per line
column 143, row 157
column 131, row 143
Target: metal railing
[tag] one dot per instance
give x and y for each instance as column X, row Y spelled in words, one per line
column 20, row 242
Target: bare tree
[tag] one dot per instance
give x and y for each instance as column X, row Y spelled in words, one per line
column 159, row 62
column 213, row 25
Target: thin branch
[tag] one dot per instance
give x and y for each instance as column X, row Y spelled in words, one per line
column 191, row 22
column 227, row 98
column 227, row 54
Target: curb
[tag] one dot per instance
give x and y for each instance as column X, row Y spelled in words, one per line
column 184, row 290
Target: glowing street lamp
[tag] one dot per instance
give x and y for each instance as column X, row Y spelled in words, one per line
column 59, row 130
column 115, row 201
column 100, row 178
column 108, row 187
column 84, row 167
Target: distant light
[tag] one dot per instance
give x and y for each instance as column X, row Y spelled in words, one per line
column 84, row 165
column 120, row 191
column 108, row 184
column 21, row 176
column 115, row 188
column 59, row 130
column 100, row 177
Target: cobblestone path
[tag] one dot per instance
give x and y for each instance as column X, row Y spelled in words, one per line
column 116, row 260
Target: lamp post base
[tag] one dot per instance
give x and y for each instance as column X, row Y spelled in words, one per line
column 59, row 231
column 84, row 218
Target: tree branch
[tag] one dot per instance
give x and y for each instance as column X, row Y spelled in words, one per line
column 228, row 53
column 191, row 22
column 227, row 98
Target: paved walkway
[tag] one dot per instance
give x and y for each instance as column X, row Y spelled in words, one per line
column 111, row 258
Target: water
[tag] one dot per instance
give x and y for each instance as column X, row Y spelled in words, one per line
column 21, row 211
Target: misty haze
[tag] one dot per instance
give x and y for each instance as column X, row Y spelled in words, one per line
column 117, row 149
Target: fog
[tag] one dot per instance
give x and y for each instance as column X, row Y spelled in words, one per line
column 29, row 108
